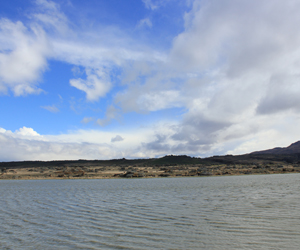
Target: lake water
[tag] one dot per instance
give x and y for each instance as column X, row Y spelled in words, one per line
column 233, row 212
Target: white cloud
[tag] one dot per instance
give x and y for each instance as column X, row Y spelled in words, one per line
column 23, row 57
column 26, row 132
column 158, row 92
column 159, row 100
column 96, row 85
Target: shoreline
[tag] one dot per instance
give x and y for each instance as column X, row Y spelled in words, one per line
column 120, row 178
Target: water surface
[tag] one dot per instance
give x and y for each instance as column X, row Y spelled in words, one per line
column 232, row 212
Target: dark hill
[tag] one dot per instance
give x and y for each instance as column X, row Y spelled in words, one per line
column 294, row 148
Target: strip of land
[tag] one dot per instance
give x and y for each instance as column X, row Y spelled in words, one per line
column 168, row 166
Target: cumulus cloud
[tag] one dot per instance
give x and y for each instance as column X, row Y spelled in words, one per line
column 23, row 57
column 238, row 67
column 26, row 132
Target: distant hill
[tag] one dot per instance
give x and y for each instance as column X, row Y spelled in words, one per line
column 294, row 148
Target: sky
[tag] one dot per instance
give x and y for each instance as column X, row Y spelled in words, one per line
column 100, row 79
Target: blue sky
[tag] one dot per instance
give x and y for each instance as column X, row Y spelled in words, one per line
column 145, row 78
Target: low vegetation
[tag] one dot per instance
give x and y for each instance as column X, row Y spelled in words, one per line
column 167, row 166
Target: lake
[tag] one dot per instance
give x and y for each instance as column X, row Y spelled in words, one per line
column 232, row 212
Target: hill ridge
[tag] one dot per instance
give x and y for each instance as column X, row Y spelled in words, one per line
column 294, row 148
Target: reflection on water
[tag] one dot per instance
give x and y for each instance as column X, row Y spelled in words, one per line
column 234, row 212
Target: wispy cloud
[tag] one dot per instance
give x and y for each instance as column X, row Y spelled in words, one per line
column 150, row 4
column 86, row 120
column 112, row 113
column 146, row 22
column 52, row 108
column 49, row 15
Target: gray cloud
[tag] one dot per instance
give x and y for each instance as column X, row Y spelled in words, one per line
column 282, row 95
column 117, row 138
column 159, row 145
column 194, row 135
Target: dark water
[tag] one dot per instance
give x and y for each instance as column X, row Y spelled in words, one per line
column 236, row 212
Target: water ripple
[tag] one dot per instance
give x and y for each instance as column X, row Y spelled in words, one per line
column 245, row 212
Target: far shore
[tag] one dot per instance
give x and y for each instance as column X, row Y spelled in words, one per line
column 69, row 171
